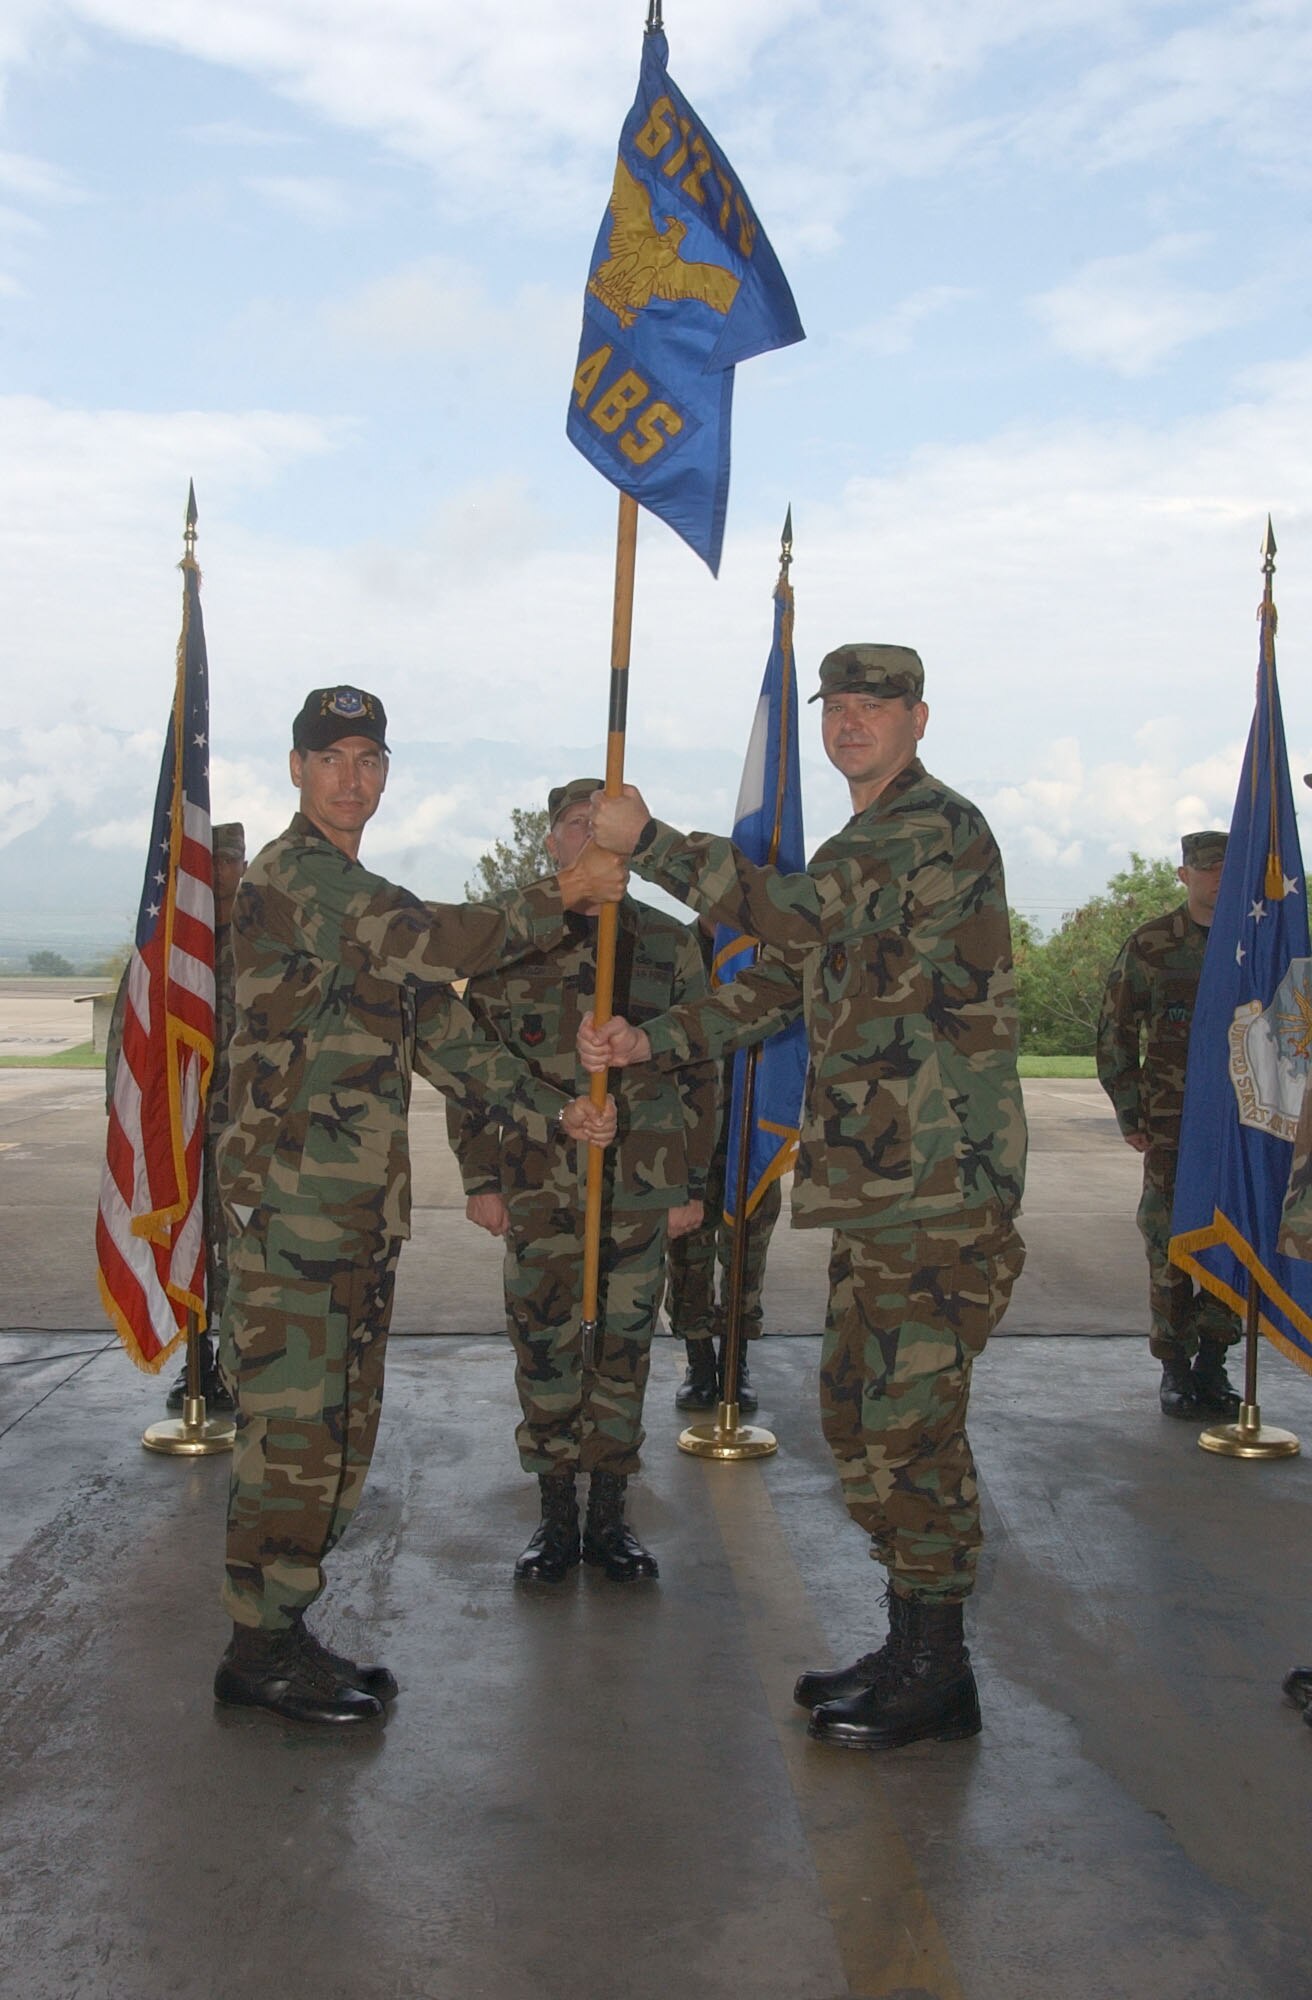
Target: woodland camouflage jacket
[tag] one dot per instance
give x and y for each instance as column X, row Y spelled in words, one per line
column 340, row 991
column 667, row 1123
column 1143, row 1029
column 896, row 944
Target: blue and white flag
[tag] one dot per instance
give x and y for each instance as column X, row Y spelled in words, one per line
column 1249, row 1047
column 683, row 285
column 768, row 830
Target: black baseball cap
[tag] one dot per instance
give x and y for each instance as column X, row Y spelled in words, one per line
column 328, row 714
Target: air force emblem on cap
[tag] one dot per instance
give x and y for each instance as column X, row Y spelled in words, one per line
column 330, row 713
column 349, row 703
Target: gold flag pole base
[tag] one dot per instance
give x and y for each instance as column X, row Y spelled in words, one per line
column 726, row 1438
column 1249, row 1438
column 193, row 1435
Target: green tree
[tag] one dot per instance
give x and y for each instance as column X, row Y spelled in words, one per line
column 1060, row 979
column 114, row 964
column 509, row 864
column 49, row 965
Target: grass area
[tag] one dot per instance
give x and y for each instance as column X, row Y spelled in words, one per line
column 82, row 1057
column 85, row 1057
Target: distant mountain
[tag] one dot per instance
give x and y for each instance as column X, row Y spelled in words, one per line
column 70, row 882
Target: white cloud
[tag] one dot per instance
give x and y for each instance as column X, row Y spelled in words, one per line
column 1127, row 314
column 436, row 305
column 314, row 200
column 1113, row 806
column 1239, row 77
column 895, row 330
column 1082, row 594
column 860, row 90
column 26, row 176
column 236, row 132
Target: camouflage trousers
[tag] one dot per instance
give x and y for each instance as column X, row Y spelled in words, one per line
column 576, row 1417
column 216, row 1243
column 309, row 1304
column 909, row 1309
column 1182, row 1313
column 691, row 1261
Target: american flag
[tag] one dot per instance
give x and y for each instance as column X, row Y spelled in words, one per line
column 150, row 1239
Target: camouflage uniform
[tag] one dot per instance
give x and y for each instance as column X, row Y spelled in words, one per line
column 896, row 944
column 338, row 995
column 1295, row 1238
column 1143, row 1045
column 575, row 1418
column 691, row 1261
column 696, row 1313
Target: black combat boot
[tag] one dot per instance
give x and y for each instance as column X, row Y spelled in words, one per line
column 270, row 1670
column 213, row 1386
column 837, row 1685
column 553, row 1549
column 926, row 1689
column 1297, row 1687
column 701, row 1381
column 380, row 1682
column 608, row 1540
column 1212, row 1390
column 744, row 1394
column 1176, row 1394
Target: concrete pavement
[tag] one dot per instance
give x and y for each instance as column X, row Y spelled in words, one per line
column 608, row 1792
column 1085, row 1275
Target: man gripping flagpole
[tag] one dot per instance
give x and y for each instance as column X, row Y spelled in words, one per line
column 1249, row 1049
column 682, row 286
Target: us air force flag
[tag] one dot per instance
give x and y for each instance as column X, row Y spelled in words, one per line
column 768, row 830
column 1249, row 1048
column 683, row 285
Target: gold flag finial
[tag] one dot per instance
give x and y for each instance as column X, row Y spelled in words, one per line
column 189, row 532
column 786, row 541
column 1274, row 884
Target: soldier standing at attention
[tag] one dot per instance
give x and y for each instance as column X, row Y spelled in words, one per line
column 1143, row 1045
column 577, row 1418
column 339, row 991
column 896, row 943
column 697, row 1317
column 228, row 845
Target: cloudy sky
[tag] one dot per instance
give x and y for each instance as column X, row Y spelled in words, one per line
column 328, row 261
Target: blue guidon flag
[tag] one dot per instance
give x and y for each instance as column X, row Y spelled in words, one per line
column 683, row 286
column 1250, row 1046
column 768, row 830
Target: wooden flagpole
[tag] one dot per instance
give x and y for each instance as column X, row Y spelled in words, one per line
column 626, row 546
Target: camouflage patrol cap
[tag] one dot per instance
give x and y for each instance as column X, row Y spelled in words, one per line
column 577, row 792
column 329, row 714
column 1203, row 850
column 228, row 837
column 878, row 670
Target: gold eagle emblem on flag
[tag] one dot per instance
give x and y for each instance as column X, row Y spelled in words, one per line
column 644, row 261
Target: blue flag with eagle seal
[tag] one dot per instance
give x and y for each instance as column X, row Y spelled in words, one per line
column 683, row 285
column 768, row 830
column 1249, row 1048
